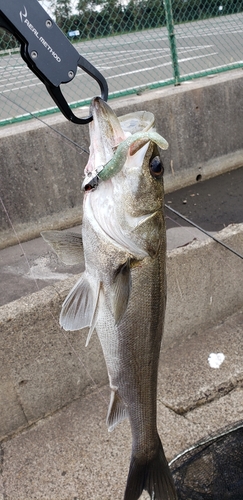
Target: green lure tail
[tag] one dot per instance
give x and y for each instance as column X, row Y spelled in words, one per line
column 136, row 142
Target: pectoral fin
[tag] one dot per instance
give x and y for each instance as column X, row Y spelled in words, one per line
column 68, row 246
column 116, row 412
column 120, row 291
column 80, row 306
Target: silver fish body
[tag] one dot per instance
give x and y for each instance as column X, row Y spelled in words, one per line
column 122, row 293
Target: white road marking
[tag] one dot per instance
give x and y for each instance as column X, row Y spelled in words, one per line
column 17, row 88
column 159, row 66
column 23, row 87
column 159, row 56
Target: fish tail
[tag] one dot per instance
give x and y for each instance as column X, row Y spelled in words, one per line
column 152, row 475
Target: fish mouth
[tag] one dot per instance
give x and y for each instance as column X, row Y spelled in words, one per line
column 105, row 135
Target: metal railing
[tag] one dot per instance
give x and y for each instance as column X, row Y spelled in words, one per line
column 137, row 45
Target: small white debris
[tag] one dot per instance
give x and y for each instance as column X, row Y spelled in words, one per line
column 216, row 359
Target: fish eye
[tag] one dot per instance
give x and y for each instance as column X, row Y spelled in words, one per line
column 156, row 167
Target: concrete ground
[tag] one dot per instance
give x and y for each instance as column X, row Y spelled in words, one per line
column 71, row 456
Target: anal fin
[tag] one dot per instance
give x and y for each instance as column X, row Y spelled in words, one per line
column 117, row 411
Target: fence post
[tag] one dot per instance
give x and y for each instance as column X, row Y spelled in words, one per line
column 172, row 40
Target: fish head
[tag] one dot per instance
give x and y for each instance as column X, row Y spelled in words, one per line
column 124, row 182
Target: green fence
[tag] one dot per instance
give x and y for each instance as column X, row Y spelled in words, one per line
column 137, row 45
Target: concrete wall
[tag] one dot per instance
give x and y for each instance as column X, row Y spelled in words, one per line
column 40, row 172
column 42, row 368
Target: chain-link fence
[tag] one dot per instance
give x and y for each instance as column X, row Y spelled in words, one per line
column 136, row 44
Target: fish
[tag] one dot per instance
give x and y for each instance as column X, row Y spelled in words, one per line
column 122, row 291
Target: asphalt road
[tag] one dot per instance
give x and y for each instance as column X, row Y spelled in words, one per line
column 127, row 61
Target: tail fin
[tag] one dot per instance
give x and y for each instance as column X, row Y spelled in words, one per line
column 151, row 475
